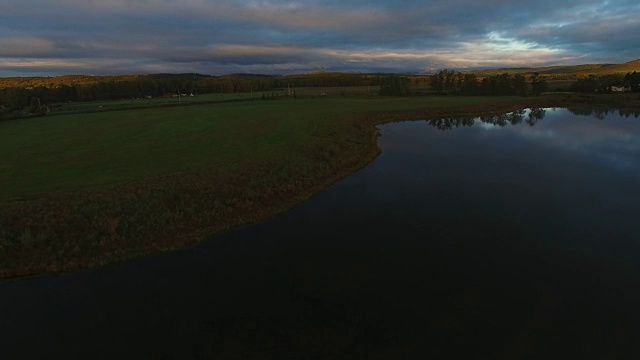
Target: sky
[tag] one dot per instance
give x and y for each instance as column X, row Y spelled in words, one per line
column 216, row 37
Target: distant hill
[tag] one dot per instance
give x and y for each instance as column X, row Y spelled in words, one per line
column 631, row 66
column 568, row 71
column 71, row 80
column 247, row 76
column 26, row 82
column 547, row 70
column 317, row 78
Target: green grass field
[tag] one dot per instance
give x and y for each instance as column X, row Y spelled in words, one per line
column 83, row 190
column 67, row 152
column 80, row 151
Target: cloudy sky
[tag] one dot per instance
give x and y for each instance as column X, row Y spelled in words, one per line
column 104, row 37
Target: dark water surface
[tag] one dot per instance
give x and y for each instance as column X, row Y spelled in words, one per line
column 514, row 237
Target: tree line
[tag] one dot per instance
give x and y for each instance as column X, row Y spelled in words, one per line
column 13, row 98
column 449, row 82
column 607, row 83
column 19, row 93
column 34, row 94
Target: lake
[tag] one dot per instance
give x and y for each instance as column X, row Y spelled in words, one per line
column 512, row 236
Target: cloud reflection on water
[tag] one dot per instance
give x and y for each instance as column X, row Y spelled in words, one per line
column 608, row 136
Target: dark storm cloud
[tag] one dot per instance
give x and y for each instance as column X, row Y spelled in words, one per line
column 126, row 36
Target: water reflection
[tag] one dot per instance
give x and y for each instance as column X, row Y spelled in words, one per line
column 601, row 113
column 617, row 144
column 530, row 116
column 574, row 165
column 451, row 123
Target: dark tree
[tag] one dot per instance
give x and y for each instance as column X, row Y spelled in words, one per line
column 470, row 84
column 444, row 82
column 520, row 86
column 395, row 86
column 632, row 81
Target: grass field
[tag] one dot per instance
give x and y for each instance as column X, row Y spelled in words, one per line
column 140, row 103
column 153, row 102
column 83, row 190
column 68, row 152
column 81, row 151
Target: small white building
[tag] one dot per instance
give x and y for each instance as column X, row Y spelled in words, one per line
column 619, row 89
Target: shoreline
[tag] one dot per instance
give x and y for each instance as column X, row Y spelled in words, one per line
column 161, row 214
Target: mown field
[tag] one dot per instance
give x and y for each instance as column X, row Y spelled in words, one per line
column 83, row 190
